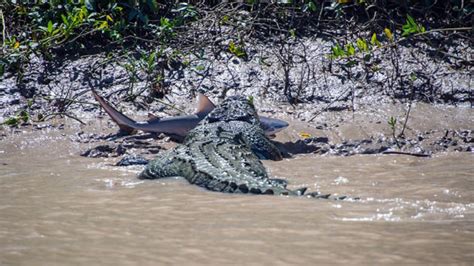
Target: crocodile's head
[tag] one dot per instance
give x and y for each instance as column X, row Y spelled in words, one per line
column 235, row 108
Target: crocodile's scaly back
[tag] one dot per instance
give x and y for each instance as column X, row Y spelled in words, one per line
column 222, row 153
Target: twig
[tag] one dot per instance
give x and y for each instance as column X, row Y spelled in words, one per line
column 406, row 119
column 3, row 28
column 407, row 153
column 329, row 105
column 170, row 106
column 65, row 114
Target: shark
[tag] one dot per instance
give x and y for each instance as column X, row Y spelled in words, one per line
column 178, row 126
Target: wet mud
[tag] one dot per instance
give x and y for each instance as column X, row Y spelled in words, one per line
column 337, row 134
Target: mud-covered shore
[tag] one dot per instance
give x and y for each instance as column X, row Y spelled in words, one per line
column 332, row 108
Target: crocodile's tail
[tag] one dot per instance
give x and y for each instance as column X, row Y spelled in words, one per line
column 301, row 192
column 318, row 195
column 243, row 188
column 230, row 187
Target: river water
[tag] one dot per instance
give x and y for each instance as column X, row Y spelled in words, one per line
column 57, row 208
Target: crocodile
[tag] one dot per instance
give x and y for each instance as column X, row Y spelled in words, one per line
column 223, row 154
column 178, row 126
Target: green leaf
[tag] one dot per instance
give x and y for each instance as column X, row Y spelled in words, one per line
column 292, row 33
column 29, row 103
column 237, row 50
column 24, row 115
column 312, row 6
column 309, row 6
column 350, row 50
column 392, row 122
column 225, row 19
column 362, row 45
column 151, row 60
column 411, row 21
column 374, row 40
column 389, row 34
column 337, row 51
column 250, row 100
column 50, row 26
column 65, row 21
column 411, row 27
column 103, row 25
column 11, row 121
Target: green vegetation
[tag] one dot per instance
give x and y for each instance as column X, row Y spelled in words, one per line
column 411, row 27
column 63, row 26
column 251, row 100
column 237, row 50
column 58, row 26
column 21, row 117
column 392, row 122
column 153, row 39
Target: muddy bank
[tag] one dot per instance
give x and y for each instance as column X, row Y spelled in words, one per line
column 339, row 134
column 309, row 78
column 342, row 133
column 334, row 134
column 333, row 108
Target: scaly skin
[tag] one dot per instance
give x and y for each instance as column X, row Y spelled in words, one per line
column 222, row 154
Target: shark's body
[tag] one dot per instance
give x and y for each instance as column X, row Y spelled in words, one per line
column 178, row 126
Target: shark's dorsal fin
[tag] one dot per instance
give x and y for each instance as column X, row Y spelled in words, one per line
column 204, row 105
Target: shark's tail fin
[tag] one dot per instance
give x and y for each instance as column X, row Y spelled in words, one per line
column 125, row 123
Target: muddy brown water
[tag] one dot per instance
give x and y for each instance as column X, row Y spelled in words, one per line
column 57, row 208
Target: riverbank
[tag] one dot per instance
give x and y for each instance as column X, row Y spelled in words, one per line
column 424, row 109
